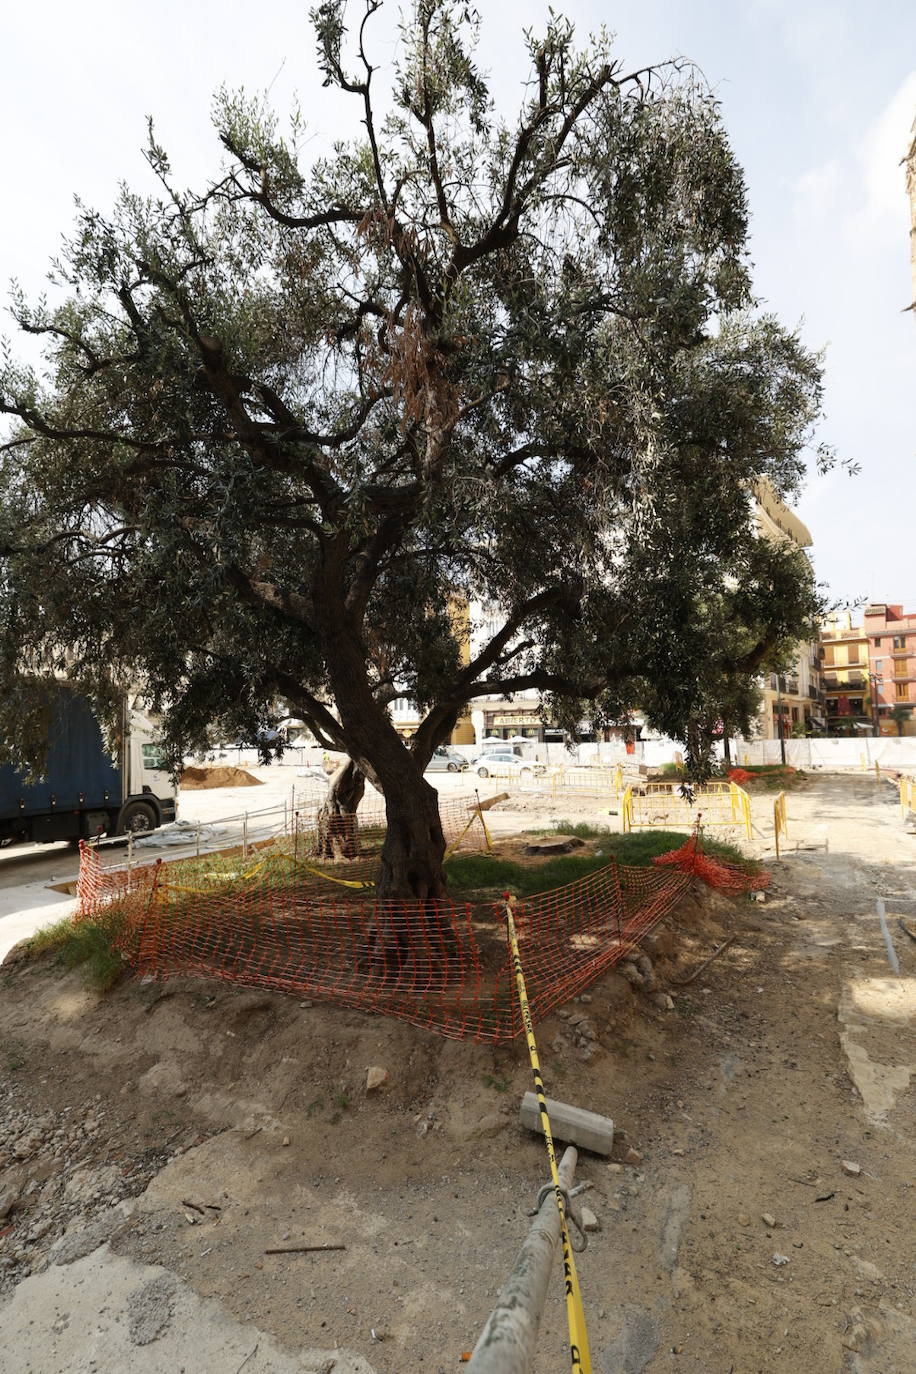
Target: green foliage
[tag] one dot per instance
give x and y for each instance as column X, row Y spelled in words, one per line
column 285, row 419
column 88, row 944
column 497, row 1084
column 900, row 715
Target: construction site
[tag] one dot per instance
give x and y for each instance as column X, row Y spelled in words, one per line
column 280, row 1128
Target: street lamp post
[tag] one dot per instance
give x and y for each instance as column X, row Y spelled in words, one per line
column 780, row 721
column 873, row 680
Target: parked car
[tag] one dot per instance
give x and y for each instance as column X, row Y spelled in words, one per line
column 505, row 761
column 446, row 760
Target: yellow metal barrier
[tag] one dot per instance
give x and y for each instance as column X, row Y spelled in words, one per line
column 907, row 795
column 600, row 781
column 780, row 819
column 661, row 804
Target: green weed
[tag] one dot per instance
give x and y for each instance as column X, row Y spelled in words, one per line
column 498, row 1084
column 341, row 1103
column 583, row 829
column 91, row 944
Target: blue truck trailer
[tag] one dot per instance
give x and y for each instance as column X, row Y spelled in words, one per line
column 84, row 791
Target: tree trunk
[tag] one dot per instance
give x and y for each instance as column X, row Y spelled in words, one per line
column 414, row 848
column 338, row 835
column 411, row 879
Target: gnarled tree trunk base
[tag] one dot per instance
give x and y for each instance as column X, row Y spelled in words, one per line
column 338, row 832
column 411, row 880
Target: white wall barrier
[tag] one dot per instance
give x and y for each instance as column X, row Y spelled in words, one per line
column 890, row 751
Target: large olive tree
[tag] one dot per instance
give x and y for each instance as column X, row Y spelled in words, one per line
column 286, row 420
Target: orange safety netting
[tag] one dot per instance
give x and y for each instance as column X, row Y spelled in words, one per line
column 719, row 873
column 441, row 965
column 342, row 850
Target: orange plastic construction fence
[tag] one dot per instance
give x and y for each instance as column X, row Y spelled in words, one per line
column 442, row 965
column 716, row 872
column 338, row 850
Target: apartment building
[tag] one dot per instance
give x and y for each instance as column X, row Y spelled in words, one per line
column 796, row 695
column 891, row 635
column 844, row 660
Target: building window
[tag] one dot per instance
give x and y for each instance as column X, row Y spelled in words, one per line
column 877, row 643
column 899, row 641
column 902, row 691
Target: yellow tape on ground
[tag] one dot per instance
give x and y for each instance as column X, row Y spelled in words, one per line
column 166, row 886
column 580, row 1358
column 344, row 882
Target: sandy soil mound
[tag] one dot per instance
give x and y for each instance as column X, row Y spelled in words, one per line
column 219, row 776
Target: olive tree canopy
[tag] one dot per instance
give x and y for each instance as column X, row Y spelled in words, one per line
column 288, row 421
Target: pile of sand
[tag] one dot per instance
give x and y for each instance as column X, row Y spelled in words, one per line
column 220, row 775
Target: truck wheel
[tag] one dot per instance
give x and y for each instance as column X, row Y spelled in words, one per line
column 482, row 773
column 453, row 768
column 138, row 819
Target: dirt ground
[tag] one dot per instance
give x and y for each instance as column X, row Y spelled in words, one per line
column 191, row 1128
column 217, row 775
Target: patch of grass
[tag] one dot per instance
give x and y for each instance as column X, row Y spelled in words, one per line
column 341, row 1103
column 498, row 1084
column 50, row 937
column 90, row 944
column 486, row 872
column 584, row 830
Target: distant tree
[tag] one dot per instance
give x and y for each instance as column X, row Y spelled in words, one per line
column 748, row 625
column 900, row 714
column 284, row 419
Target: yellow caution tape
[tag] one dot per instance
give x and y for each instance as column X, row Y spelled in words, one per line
column 580, row 1358
column 165, row 886
column 344, row 882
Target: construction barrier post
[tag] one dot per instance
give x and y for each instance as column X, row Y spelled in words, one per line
column 508, row 1342
column 486, row 832
column 780, row 819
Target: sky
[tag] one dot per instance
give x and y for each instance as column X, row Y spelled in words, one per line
column 818, row 97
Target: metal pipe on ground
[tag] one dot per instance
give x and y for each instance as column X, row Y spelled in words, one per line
column 508, row 1341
